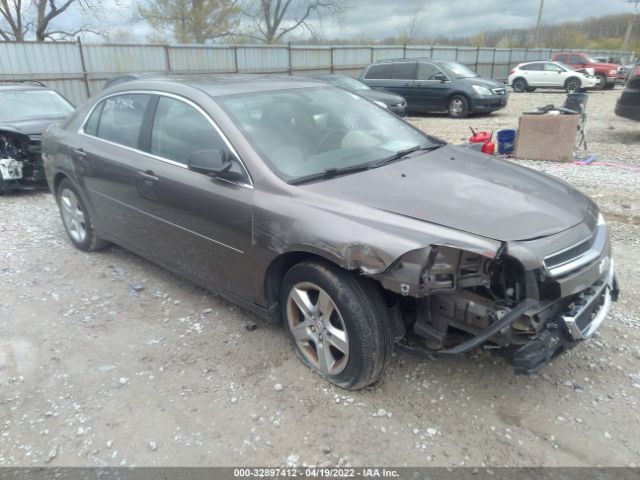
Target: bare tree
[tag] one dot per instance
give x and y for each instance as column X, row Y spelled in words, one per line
column 411, row 28
column 13, row 27
column 273, row 19
column 192, row 21
column 18, row 19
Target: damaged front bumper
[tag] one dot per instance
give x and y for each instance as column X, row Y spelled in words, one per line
column 578, row 322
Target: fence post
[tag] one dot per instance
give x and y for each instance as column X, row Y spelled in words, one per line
column 457, row 51
column 289, row 52
column 235, row 59
column 167, row 59
column 477, row 57
column 85, row 74
column 404, row 50
column 371, row 55
column 493, row 62
column 332, row 62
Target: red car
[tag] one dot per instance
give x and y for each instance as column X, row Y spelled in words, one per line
column 609, row 74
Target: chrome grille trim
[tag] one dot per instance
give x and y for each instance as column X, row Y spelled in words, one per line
column 584, row 256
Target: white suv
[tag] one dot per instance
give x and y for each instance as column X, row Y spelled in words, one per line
column 526, row 77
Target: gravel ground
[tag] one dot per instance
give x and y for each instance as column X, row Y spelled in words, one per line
column 106, row 359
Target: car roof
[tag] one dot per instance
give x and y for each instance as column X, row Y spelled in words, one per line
column 222, row 85
column 412, row 60
column 5, row 87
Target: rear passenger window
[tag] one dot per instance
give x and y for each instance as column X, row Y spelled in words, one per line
column 576, row 60
column 121, row 119
column 532, row 66
column 404, row 71
column 379, row 72
column 427, row 71
column 179, row 130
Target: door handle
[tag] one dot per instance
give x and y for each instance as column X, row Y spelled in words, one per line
column 148, row 177
column 80, row 152
column 408, row 84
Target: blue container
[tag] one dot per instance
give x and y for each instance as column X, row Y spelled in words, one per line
column 506, row 141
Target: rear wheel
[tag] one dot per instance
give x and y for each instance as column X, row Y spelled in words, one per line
column 76, row 219
column 458, row 107
column 572, row 85
column 519, row 85
column 338, row 322
column 609, row 86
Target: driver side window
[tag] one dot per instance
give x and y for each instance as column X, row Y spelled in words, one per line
column 179, row 130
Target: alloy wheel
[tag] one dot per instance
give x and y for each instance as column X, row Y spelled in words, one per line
column 318, row 328
column 572, row 87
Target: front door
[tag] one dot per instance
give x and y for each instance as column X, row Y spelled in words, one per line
column 432, row 87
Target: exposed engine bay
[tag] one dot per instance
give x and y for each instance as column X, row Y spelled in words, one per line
column 465, row 300
column 20, row 160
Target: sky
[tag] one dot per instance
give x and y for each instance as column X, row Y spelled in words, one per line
column 378, row 19
column 383, row 18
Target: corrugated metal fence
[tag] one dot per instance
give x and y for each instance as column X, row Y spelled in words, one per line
column 80, row 70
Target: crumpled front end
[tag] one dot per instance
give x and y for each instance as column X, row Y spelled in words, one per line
column 532, row 300
column 20, row 159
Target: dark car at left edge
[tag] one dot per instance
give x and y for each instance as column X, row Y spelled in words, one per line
column 26, row 110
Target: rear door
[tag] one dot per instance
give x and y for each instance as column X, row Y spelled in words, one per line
column 534, row 74
column 107, row 158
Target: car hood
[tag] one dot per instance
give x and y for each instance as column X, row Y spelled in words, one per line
column 604, row 66
column 30, row 127
column 376, row 95
column 467, row 191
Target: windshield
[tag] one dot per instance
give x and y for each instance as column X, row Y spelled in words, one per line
column 566, row 67
column 458, row 70
column 16, row 105
column 307, row 131
column 349, row 83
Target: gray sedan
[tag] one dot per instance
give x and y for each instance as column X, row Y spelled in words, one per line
column 319, row 210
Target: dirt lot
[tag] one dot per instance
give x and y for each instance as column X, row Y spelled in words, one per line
column 106, row 359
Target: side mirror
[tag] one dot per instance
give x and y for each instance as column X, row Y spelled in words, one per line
column 212, row 163
column 441, row 76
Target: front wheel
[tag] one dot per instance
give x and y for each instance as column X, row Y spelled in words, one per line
column 458, row 107
column 338, row 322
column 76, row 219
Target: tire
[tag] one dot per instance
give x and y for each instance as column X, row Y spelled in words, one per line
column 355, row 341
column 531, row 89
column 3, row 185
column 610, row 86
column 602, row 82
column 519, row 85
column 76, row 219
column 458, row 106
column 572, row 85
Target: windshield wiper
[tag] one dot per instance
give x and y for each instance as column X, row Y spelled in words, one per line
column 403, row 153
column 330, row 173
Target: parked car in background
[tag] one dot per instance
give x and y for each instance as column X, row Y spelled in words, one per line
column 395, row 103
column 608, row 74
column 319, row 210
column 526, row 77
column 628, row 105
column 26, row 110
column 437, row 86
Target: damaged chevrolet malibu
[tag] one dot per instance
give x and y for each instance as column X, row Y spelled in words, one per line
column 317, row 209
